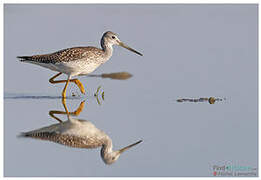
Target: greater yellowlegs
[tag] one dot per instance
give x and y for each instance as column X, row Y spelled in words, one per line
column 77, row 61
column 79, row 134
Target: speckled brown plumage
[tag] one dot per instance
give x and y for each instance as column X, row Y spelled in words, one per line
column 68, row 140
column 66, row 55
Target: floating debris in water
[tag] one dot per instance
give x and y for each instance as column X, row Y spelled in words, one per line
column 97, row 95
column 210, row 100
column 97, row 91
column 103, row 95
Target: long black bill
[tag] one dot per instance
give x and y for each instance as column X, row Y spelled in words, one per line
column 127, row 47
column 128, row 147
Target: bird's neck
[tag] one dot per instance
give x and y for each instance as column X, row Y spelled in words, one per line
column 106, row 148
column 107, row 48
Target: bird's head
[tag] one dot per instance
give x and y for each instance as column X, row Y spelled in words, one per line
column 112, row 38
column 111, row 157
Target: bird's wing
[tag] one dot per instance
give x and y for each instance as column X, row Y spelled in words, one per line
column 65, row 55
column 83, row 135
column 67, row 140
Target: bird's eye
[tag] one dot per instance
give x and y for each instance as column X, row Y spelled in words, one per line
column 113, row 37
column 113, row 157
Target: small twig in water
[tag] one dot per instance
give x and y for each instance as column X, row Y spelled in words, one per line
column 103, row 95
column 97, row 91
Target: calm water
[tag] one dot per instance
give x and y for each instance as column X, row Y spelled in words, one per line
column 190, row 51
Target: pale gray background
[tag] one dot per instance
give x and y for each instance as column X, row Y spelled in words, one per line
column 190, row 51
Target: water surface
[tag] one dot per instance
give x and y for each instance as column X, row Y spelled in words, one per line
column 190, row 51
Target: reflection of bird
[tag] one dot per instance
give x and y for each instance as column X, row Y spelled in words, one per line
column 78, row 60
column 80, row 134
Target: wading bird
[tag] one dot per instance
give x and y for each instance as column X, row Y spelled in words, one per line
column 77, row 61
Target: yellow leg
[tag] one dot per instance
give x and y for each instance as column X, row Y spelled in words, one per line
column 75, row 113
column 65, row 107
column 51, row 113
column 79, row 109
column 65, row 87
column 76, row 81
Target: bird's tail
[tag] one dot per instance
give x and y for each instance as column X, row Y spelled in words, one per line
column 23, row 134
column 25, row 58
column 35, row 134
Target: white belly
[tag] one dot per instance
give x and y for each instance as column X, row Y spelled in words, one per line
column 74, row 68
